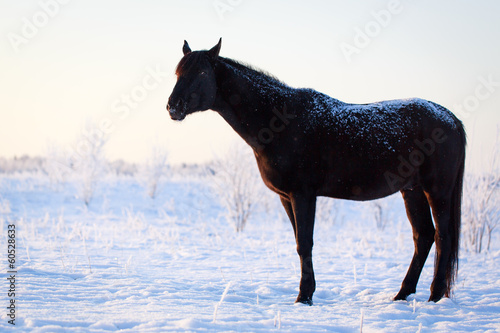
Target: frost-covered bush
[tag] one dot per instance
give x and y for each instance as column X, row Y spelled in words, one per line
column 480, row 210
column 88, row 160
column 154, row 169
column 481, row 204
column 237, row 184
column 327, row 210
column 382, row 212
column 57, row 164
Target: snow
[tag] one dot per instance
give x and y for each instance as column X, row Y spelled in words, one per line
column 384, row 117
column 134, row 264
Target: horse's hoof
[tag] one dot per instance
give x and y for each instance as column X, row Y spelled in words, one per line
column 400, row 297
column 304, row 300
column 437, row 294
column 403, row 294
column 435, row 298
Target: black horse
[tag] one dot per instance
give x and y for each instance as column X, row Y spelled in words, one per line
column 308, row 144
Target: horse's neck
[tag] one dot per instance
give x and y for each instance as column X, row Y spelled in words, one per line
column 243, row 104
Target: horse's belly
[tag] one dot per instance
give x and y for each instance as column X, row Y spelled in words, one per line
column 354, row 191
column 366, row 180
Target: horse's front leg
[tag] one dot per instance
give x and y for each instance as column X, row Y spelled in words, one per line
column 304, row 206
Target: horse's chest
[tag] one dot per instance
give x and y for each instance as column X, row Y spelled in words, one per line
column 281, row 175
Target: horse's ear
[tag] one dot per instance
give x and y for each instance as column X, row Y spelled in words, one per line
column 186, row 49
column 214, row 51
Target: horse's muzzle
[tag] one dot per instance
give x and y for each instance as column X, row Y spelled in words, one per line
column 176, row 111
column 177, row 116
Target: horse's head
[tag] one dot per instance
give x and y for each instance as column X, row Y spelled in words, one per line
column 196, row 86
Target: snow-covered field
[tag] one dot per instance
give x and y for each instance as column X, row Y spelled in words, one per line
column 134, row 264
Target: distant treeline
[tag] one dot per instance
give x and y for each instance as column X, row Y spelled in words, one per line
column 24, row 163
column 27, row 163
column 32, row 164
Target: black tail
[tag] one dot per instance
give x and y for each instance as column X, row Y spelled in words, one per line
column 455, row 223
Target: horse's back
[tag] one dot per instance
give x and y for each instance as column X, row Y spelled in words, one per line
column 356, row 148
column 381, row 127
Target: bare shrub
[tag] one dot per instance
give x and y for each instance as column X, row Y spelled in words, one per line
column 381, row 213
column 154, row 169
column 88, row 160
column 481, row 204
column 481, row 210
column 237, row 184
column 57, row 164
column 327, row 210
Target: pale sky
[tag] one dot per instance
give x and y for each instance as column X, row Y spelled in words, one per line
column 65, row 62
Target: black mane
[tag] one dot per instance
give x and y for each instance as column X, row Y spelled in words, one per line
column 259, row 76
column 253, row 70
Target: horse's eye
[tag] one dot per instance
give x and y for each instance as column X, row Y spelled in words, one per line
column 203, row 73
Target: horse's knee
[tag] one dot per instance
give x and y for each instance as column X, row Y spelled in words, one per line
column 424, row 239
column 304, row 248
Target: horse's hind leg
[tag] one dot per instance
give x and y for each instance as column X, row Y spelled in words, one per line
column 444, row 266
column 419, row 214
